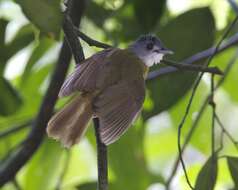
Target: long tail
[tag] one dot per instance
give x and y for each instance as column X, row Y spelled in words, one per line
column 70, row 123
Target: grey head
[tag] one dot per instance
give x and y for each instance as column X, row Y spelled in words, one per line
column 149, row 49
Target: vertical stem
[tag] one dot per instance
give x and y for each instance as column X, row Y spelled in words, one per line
column 77, row 51
column 101, row 159
column 213, row 105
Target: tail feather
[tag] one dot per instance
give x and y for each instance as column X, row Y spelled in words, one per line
column 69, row 124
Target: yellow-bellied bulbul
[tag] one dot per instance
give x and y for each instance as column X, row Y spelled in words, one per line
column 112, row 87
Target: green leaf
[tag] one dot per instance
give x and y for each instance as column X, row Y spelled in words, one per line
column 233, row 167
column 44, row 14
column 87, row 186
column 127, row 160
column 97, row 13
column 32, row 94
column 180, row 36
column 3, row 25
column 43, row 170
column 23, row 37
column 208, row 174
column 148, row 13
column 38, row 52
column 10, row 100
column 234, row 188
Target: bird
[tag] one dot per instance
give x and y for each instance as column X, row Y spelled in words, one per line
column 109, row 85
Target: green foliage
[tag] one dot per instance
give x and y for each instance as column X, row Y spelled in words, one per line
column 9, row 98
column 132, row 178
column 41, row 48
column 148, row 13
column 3, row 25
column 42, row 171
column 233, row 167
column 167, row 90
column 144, row 154
column 87, row 186
column 44, row 14
column 23, row 37
column 97, row 13
column 207, row 176
column 144, row 16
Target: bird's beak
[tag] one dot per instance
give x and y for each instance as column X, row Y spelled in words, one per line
column 166, row 51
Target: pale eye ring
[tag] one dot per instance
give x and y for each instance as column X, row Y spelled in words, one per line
column 149, row 46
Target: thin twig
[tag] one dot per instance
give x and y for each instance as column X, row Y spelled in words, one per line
column 194, row 89
column 192, row 67
column 90, row 41
column 15, row 129
column 213, row 105
column 226, row 132
column 186, row 141
column 198, row 117
column 221, row 141
column 101, row 158
column 234, row 5
column 16, row 184
column 64, row 171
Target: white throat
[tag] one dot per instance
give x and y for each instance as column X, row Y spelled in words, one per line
column 152, row 59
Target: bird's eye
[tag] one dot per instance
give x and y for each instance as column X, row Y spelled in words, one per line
column 150, row 46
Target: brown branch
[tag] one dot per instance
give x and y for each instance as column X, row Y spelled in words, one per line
column 232, row 41
column 101, row 148
column 90, row 41
column 193, row 67
column 213, row 152
column 71, row 37
column 186, row 64
column 32, row 142
column 101, row 159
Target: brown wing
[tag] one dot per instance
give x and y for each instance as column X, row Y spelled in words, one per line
column 118, row 76
column 86, row 74
column 117, row 107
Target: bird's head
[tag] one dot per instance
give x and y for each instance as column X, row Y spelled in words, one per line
column 149, row 49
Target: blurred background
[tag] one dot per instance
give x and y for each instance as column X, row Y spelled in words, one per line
column 144, row 157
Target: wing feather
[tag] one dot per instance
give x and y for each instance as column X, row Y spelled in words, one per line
column 117, row 78
column 85, row 75
column 117, row 107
